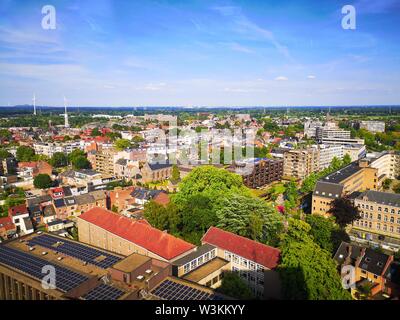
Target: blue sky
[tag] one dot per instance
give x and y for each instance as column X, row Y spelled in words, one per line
column 201, row 53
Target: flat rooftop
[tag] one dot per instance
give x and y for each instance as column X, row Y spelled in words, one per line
column 131, row 262
column 206, row 269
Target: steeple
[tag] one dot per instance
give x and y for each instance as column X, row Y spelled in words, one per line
column 65, row 113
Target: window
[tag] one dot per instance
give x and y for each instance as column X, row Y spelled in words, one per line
column 379, row 217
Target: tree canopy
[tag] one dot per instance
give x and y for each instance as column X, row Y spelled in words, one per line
column 59, row 159
column 25, row 153
column 122, row 144
column 250, row 217
column 307, row 271
column 42, row 181
column 344, row 212
column 233, row 286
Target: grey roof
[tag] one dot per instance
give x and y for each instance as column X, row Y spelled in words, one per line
column 193, row 255
column 67, row 191
column 88, row 172
column 34, row 209
column 55, row 222
column 98, row 195
column 384, row 198
column 122, row 162
column 49, row 211
column 28, row 223
column 84, row 199
column 146, row 194
column 343, row 252
column 343, row 173
column 38, row 200
column 374, row 261
column 159, row 166
column 328, row 190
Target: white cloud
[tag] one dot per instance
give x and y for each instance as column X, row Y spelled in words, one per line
column 311, row 77
column 281, row 78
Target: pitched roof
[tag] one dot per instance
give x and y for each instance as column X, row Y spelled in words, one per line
column 7, row 224
column 252, row 250
column 328, row 190
column 152, row 239
column 385, row 198
column 374, row 261
column 18, row 210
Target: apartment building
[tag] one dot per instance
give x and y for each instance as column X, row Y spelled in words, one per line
column 341, row 140
column 373, row 126
column 116, row 233
column 380, row 219
column 299, row 163
column 255, row 262
column 50, row 148
column 355, row 151
column 103, row 161
column 327, row 153
column 259, row 172
column 387, row 163
column 357, row 176
column 327, row 133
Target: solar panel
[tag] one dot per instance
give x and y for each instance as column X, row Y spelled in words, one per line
column 170, row 290
column 31, row 265
column 103, row 292
column 76, row 250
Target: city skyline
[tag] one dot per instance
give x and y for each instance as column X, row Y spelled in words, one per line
column 201, row 53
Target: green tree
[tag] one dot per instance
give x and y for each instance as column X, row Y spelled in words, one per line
column 326, row 233
column 81, row 162
column 346, row 160
column 233, row 286
column 75, row 154
column 162, row 217
column 25, row 153
column 122, row 144
column 5, row 134
column 396, row 188
column 307, row 271
column 386, row 184
column 42, row 181
column 344, row 212
column 250, row 217
column 59, row 159
column 95, row 132
column 4, row 154
column 176, row 175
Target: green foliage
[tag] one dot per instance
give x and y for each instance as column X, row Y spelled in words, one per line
column 210, row 182
column 122, row 144
column 344, row 212
column 113, row 135
column 95, row 132
column 75, row 154
column 5, row 134
column 309, row 182
column 386, row 184
column 59, row 159
column 25, row 153
column 81, row 162
column 250, row 217
column 121, row 183
column 4, row 154
column 307, row 271
column 42, row 181
column 176, row 175
column 326, row 232
column 162, row 217
column 396, row 188
column 291, row 195
column 233, row 286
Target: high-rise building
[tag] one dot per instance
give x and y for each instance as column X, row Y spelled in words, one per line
column 300, row 163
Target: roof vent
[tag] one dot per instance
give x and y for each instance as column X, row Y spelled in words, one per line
column 59, row 258
column 140, row 277
column 31, row 248
column 149, row 271
column 44, row 253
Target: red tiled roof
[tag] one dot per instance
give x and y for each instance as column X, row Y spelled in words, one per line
column 152, row 239
column 18, row 210
column 6, row 223
column 252, row 250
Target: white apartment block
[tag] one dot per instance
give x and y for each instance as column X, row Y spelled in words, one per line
column 49, row 149
column 387, row 163
column 373, row 126
column 327, row 153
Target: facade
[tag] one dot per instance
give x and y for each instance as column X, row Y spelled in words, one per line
column 327, row 153
column 299, row 163
column 20, row 218
column 327, row 133
column 29, row 170
column 116, row 233
column 355, row 151
column 357, row 176
column 7, row 228
column 156, row 172
column 259, row 172
column 49, row 149
column 253, row 261
column 387, row 163
column 103, row 161
column 373, row 126
column 341, row 140
column 380, row 219
column 202, row 266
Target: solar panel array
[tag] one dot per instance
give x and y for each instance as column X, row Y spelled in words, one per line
column 76, row 250
column 170, row 290
column 31, row 265
column 103, row 292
